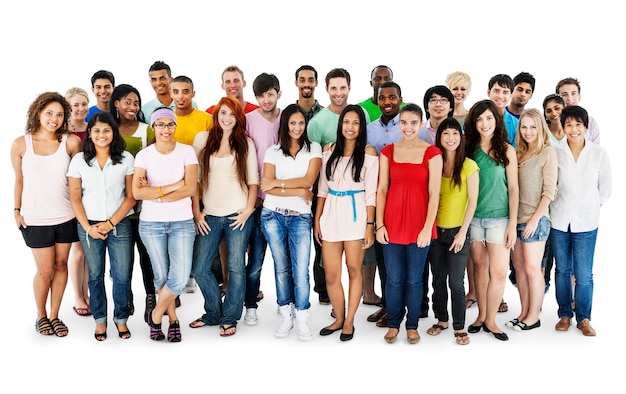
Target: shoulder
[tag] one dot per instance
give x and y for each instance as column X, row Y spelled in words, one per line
column 329, row 147
column 371, row 151
column 316, row 149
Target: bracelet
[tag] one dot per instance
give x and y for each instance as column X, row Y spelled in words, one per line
column 110, row 223
column 372, row 223
column 282, row 187
column 160, row 191
column 17, row 209
column 380, row 227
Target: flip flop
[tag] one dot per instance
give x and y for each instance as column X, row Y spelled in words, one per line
column 469, row 303
column 224, row 331
column 82, row 311
column 504, row 307
column 197, row 323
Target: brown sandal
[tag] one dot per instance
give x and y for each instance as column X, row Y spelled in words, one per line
column 461, row 338
column 436, row 329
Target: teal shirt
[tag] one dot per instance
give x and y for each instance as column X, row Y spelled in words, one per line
column 323, row 127
column 493, row 192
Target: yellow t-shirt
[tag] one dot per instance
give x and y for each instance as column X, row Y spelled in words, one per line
column 188, row 126
column 452, row 199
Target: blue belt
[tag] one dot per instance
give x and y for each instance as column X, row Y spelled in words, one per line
column 350, row 193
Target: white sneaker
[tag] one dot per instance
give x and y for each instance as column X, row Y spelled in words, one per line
column 251, row 318
column 304, row 331
column 286, row 324
column 191, row 285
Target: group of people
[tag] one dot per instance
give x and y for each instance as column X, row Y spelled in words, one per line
column 202, row 194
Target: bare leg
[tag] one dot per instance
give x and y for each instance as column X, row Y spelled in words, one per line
column 79, row 276
column 499, row 258
column 332, row 254
column 480, row 257
column 354, row 263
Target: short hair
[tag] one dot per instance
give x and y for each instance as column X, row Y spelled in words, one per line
column 338, row 73
column 440, row 90
column 458, row 78
column 502, row 80
column 524, row 77
column 567, row 81
column 306, row 67
column 412, row 107
column 102, row 74
column 183, row 78
column 382, row 66
column 71, row 92
column 575, row 112
column 265, row 82
column 391, row 84
column 160, row 65
column 230, row 69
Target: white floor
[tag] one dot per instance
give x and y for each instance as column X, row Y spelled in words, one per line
column 533, row 361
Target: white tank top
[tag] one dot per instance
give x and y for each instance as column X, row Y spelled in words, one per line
column 45, row 194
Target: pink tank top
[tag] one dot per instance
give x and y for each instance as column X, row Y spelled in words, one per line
column 45, row 194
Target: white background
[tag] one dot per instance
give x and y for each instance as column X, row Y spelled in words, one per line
column 56, row 45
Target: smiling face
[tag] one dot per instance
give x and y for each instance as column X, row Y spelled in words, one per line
column 574, row 130
column 553, row 112
column 51, row 117
column 460, row 93
column 500, row 95
column 164, row 129
column 450, row 139
column 306, row 83
column 268, row 100
column 350, row 127
column 226, row 118
column 410, row 125
column 338, row 90
column 102, row 89
column 233, row 84
column 528, row 130
column 380, row 76
column 80, row 106
column 101, row 134
column 570, row 94
column 182, row 93
column 296, row 125
column 128, row 106
column 160, row 82
column 438, row 107
column 389, row 102
column 486, row 124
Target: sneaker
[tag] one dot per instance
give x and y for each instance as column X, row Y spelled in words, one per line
column 251, row 318
column 286, row 324
column 304, row 331
column 191, row 285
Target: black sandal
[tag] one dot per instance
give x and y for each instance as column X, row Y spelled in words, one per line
column 43, row 326
column 123, row 334
column 60, row 329
column 100, row 336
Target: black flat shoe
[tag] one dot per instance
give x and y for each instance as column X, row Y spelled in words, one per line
column 473, row 329
column 346, row 337
column 500, row 336
column 327, row 331
column 485, row 329
column 521, row 326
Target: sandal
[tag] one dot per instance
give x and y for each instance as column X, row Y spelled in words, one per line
column 156, row 334
column 60, row 329
column 260, row 296
column 123, row 334
column 197, row 323
column 173, row 332
column 436, row 329
column 82, row 311
column 504, row 307
column 43, row 326
column 227, row 331
column 469, row 303
column 461, row 338
column 101, row 336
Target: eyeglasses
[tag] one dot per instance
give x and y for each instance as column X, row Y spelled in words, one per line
column 161, row 126
column 438, row 101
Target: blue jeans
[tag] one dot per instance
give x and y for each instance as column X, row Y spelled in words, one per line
column 170, row 247
column 258, row 245
column 204, row 251
column 404, row 288
column 448, row 270
column 573, row 253
column 289, row 238
column 120, row 248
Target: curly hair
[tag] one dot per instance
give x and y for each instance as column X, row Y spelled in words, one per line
column 37, row 106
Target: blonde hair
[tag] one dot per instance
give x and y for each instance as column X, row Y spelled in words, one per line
column 71, row 92
column 459, row 78
column 543, row 132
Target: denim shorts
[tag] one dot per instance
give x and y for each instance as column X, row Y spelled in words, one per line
column 47, row 236
column 490, row 230
column 541, row 233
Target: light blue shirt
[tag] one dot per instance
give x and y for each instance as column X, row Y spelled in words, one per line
column 104, row 190
column 510, row 122
column 380, row 135
column 427, row 133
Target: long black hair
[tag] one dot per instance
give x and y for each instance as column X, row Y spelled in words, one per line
column 459, row 157
column 118, row 145
column 119, row 93
column 284, row 140
column 358, row 155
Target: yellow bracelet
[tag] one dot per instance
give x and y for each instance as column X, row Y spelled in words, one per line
column 110, row 223
column 160, row 192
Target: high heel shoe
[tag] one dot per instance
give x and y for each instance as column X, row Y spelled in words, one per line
column 123, row 334
column 101, row 336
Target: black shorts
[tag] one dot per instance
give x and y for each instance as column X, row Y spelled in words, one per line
column 47, row 236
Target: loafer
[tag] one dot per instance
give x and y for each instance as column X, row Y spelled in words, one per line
column 382, row 322
column 346, row 337
column 585, row 327
column 374, row 317
column 563, row 324
column 327, row 331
